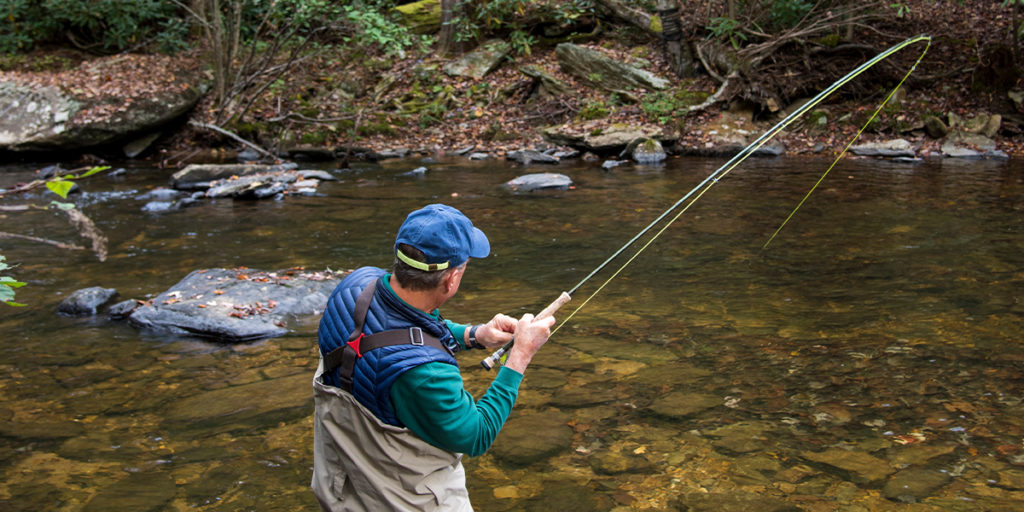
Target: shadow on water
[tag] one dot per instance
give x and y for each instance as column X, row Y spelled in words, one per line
column 869, row 359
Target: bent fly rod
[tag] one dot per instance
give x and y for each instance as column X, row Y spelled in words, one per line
column 694, row 194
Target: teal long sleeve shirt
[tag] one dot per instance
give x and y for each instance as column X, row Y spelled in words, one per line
column 432, row 403
column 430, row 400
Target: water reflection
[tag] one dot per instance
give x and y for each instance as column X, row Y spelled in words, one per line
column 869, row 358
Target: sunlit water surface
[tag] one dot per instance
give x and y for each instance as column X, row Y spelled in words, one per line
column 879, row 337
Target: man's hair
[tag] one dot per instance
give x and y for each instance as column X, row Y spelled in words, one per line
column 414, row 278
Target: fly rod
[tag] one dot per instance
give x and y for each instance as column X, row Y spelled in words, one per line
column 713, row 178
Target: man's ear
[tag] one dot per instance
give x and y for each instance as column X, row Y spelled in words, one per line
column 449, row 279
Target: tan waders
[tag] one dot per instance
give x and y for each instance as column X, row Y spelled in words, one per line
column 361, row 463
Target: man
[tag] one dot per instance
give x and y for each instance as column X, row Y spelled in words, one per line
column 392, row 419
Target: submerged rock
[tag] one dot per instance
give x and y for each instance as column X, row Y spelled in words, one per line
column 236, row 305
column 237, row 403
column 86, row 301
column 621, row 460
column 679, row 404
column 147, row 490
column 539, row 181
column 731, row 501
column 529, row 438
column 914, row 484
column 742, row 437
column 863, row 468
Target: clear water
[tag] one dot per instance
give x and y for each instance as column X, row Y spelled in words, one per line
column 885, row 320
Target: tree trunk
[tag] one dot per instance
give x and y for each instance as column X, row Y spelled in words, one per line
column 446, row 44
column 679, row 53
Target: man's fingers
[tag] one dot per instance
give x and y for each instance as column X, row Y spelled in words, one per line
column 504, row 323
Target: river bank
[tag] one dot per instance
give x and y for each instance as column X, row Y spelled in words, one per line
column 341, row 106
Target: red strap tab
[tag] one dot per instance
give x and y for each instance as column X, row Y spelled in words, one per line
column 355, row 345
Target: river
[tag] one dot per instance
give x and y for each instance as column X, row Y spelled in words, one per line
column 869, row 358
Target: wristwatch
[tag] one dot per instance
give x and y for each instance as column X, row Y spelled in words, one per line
column 471, row 338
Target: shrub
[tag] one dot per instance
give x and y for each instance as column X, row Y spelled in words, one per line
column 104, row 26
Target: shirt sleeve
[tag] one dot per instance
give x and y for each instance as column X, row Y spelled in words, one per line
column 431, row 402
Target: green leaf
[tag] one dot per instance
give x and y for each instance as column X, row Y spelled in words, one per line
column 10, row 282
column 7, row 295
column 94, row 170
column 63, row 206
column 61, row 187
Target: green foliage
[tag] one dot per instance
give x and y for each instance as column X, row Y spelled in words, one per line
column 901, row 9
column 7, row 285
column 98, row 25
column 788, row 13
column 729, row 29
column 666, row 106
column 375, row 29
column 594, row 109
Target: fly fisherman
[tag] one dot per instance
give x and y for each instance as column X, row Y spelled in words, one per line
column 392, row 419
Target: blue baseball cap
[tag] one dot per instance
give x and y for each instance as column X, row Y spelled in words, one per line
column 446, row 236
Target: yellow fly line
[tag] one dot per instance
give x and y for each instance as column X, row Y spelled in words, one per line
column 712, row 179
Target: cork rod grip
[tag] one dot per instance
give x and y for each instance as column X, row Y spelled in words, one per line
column 495, row 358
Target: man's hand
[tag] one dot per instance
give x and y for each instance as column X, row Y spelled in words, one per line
column 497, row 332
column 530, row 335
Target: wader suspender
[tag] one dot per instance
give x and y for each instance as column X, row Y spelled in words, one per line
column 359, row 343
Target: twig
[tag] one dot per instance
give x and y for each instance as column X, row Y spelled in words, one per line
column 62, row 245
column 233, row 136
column 299, row 117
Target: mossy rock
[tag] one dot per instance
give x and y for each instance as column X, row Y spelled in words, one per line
column 423, row 17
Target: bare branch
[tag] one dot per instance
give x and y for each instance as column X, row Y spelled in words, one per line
column 61, row 245
column 233, row 136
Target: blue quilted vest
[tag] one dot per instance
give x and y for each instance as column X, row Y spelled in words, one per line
column 378, row 369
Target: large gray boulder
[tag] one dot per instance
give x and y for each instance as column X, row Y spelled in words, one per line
column 80, row 108
column 236, row 305
column 605, row 73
